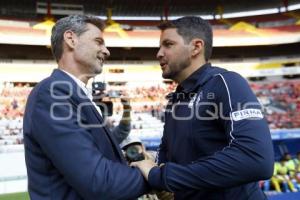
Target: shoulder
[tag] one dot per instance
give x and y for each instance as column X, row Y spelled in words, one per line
column 42, row 86
column 50, row 89
column 232, row 84
column 230, row 80
column 229, row 77
column 56, row 86
column 34, row 98
column 216, row 75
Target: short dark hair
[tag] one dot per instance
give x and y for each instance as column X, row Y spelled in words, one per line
column 75, row 23
column 191, row 27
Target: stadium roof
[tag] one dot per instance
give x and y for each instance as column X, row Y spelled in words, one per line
column 142, row 8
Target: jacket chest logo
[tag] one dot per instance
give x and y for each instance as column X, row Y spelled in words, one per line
column 196, row 98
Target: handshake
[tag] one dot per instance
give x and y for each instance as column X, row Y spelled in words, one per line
column 137, row 156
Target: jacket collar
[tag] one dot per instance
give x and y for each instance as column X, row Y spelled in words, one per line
column 69, row 82
column 198, row 78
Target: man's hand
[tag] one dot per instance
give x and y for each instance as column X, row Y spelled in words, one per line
column 126, row 118
column 145, row 166
column 126, row 103
column 164, row 195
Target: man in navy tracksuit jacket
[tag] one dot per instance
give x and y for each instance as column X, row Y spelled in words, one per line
column 216, row 143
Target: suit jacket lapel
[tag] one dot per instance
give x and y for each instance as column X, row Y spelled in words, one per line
column 84, row 99
column 108, row 132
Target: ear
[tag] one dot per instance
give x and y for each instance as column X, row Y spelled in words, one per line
column 197, row 47
column 70, row 39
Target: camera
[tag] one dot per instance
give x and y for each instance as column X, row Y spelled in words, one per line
column 105, row 106
column 99, row 86
column 133, row 149
column 132, row 154
column 114, row 94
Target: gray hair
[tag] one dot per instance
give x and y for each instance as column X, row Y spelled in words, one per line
column 74, row 23
column 192, row 27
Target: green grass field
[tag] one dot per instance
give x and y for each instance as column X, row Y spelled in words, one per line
column 15, row 196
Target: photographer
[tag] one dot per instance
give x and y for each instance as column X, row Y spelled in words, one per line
column 103, row 99
column 134, row 151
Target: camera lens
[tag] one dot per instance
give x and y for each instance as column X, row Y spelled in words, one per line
column 132, row 151
column 133, row 154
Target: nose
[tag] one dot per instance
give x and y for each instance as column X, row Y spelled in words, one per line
column 106, row 52
column 159, row 54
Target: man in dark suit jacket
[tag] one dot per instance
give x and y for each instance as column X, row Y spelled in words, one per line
column 69, row 152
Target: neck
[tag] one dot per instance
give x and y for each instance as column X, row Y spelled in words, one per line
column 68, row 65
column 184, row 74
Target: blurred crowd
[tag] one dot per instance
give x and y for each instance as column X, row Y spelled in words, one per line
column 281, row 101
column 12, row 105
column 146, row 99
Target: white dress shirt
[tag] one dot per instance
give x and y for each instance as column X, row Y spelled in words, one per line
column 87, row 91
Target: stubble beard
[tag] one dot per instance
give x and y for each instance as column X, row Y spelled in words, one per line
column 98, row 69
column 176, row 69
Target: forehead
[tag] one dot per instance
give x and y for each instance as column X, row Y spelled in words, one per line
column 170, row 34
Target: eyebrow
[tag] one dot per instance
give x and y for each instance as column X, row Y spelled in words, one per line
column 167, row 41
column 100, row 39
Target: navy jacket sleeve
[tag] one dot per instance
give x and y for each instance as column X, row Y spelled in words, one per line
column 73, row 151
column 248, row 156
column 162, row 152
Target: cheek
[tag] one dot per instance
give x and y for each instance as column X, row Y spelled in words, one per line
column 175, row 54
column 80, row 51
column 184, row 54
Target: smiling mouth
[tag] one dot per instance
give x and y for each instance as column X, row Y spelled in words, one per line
column 163, row 65
column 100, row 59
